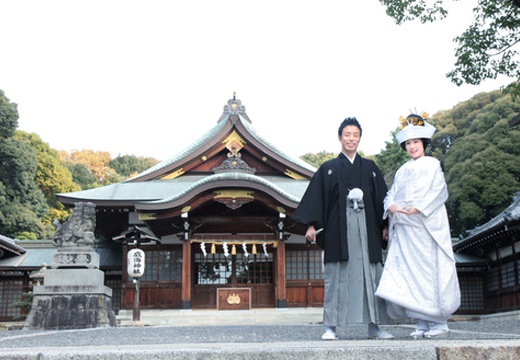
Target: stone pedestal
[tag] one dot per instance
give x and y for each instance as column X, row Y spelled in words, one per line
column 73, row 295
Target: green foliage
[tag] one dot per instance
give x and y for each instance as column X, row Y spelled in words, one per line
column 51, row 177
column 22, row 204
column 82, row 176
column 391, row 159
column 486, row 49
column 96, row 163
column 8, row 117
column 130, row 165
column 317, row 159
column 477, row 143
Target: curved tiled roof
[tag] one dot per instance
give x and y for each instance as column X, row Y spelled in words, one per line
column 10, row 245
column 207, row 137
column 230, row 176
column 146, row 188
column 501, row 221
column 262, row 140
column 184, row 152
column 158, row 190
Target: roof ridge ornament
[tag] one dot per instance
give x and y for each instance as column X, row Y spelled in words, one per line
column 233, row 163
column 234, row 107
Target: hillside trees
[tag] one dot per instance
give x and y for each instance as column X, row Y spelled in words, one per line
column 317, row 159
column 97, row 163
column 486, row 49
column 478, row 142
column 32, row 173
column 52, row 177
column 390, row 159
column 22, row 204
column 130, row 165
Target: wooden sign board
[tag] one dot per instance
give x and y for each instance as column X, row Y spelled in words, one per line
column 233, row 299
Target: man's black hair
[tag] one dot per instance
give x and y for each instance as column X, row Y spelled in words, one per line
column 350, row 121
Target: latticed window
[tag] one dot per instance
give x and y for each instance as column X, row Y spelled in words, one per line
column 472, row 293
column 11, row 291
column 217, row 269
column 304, row 265
column 508, row 275
column 492, row 280
column 163, row 265
column 254, row 269
column 518, row 272
column 213, row 269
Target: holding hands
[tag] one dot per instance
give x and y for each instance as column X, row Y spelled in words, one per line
column 407, row 210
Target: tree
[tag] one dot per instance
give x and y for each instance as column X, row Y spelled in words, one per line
column 51, row 176
column 391, row 159
column 22, row 204
column 82, row 176
column 478, row 146
column 317, row 159
column 486, row 49
column 130, row 165
column 8, row 117
column 96, row 162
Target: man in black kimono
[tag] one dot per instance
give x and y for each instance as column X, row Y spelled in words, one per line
column 345, row 199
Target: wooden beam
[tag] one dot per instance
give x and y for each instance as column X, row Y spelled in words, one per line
column 186, row 275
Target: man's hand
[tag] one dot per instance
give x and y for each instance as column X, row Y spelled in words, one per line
column 385, row 233
column 311, row 234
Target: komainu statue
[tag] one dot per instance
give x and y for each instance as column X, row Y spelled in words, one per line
column 79, row 229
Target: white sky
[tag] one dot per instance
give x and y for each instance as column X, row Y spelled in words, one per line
column 146, row 78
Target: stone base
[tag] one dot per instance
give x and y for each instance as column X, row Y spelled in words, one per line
column 73, row 311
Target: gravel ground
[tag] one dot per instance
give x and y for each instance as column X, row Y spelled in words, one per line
column 160, row 335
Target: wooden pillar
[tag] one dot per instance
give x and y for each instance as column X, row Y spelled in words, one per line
column 186, row 274
column 280, row 274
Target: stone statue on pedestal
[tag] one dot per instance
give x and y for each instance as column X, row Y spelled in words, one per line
column 73, row 294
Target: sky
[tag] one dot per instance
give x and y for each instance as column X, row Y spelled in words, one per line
column 147, row 78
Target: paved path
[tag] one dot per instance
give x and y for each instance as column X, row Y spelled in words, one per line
column 487, row 338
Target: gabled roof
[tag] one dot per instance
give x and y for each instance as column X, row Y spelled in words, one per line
column 486, row 233
column 169, row 184
column 234, row 115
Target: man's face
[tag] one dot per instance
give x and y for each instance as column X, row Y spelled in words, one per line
column 349, row 139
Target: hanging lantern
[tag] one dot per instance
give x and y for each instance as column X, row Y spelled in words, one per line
column 213, row 249
column 253, row 251
column 234, row 250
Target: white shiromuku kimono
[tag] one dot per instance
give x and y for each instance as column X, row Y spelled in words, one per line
column 419, row 279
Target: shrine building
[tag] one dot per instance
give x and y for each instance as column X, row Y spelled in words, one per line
column 214, row 221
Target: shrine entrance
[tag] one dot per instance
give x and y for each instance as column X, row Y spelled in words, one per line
column 239, row 267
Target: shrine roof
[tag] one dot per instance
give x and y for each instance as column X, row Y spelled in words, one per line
column 41, row 251
column 207, row 137
column 511, row 215
column 157, row 185
column 10, row 245
column 166, row 190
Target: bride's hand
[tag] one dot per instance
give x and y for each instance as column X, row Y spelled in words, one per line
column 394, row 208
column 409, row 210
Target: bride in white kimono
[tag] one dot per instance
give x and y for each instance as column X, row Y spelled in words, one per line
column 419, row 279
